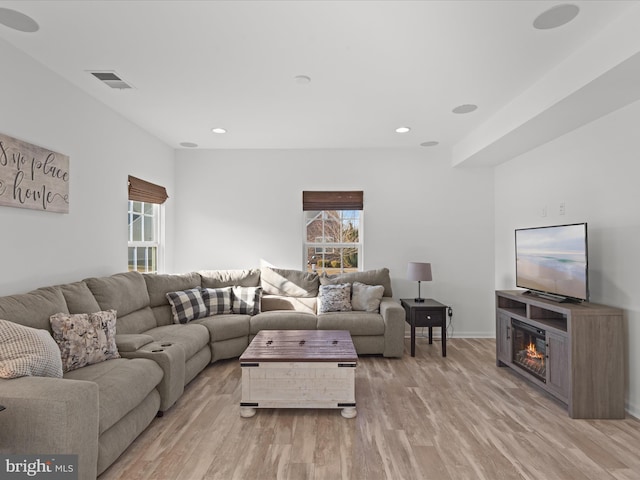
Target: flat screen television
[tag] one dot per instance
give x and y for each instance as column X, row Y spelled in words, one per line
column 553, row 261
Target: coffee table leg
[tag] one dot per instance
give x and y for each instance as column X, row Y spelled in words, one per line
column 246, row 412
column 349, row 412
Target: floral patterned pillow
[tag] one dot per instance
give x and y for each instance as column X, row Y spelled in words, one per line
column 85, row 338
column 334, row 298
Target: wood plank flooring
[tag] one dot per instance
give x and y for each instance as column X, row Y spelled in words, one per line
column 427, row 417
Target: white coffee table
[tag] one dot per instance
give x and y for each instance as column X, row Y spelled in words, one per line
column 299, row 369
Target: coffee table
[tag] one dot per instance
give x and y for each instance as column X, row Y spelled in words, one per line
column 299, row 369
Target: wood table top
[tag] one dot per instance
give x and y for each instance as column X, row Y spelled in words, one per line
column 301, row 346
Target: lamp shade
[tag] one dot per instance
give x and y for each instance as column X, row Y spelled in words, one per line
column 418, row 271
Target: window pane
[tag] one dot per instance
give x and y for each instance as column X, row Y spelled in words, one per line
column 132, row 264
column 149, row 232
column 136, row 207
column 148, row 208
column 136, row 228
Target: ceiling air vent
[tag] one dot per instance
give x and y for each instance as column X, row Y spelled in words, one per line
column 111, row 80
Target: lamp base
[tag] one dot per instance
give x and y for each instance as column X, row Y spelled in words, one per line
column 418, row 300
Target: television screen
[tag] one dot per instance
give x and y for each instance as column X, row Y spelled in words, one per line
column 553, row 260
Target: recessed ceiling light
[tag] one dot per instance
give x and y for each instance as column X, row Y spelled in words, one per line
column 556, row 16
column 302, row 79
column 218, row 130
column 18, row 21
column 403, row 130
column 188, row 144
column 467, row 108
column 431, row 143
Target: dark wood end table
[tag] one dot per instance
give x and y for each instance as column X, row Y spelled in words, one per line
column 429, row 313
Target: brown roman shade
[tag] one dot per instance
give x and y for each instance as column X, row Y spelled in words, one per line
column 332, row 200
column 143, row 191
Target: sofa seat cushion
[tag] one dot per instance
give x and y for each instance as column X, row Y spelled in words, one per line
column 281, row 302
column 358, row 323
column 192, row 337
column 282, row 320
column 122, row 385
column 225, row 327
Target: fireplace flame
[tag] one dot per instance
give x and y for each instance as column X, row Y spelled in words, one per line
column 532, row 352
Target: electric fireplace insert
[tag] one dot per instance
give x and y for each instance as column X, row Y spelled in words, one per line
column 529, row 349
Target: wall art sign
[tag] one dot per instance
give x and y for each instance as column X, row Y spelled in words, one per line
column 33, row 177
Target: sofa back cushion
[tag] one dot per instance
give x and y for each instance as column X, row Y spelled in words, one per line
column 33, row 309
column 126, row 293
column 158, row 285
column 230, row 278
column 79, row 298
column 289, row 283
column 370, row 277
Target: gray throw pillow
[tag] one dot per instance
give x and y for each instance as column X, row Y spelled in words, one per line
column 366, row 297
column 334, row 298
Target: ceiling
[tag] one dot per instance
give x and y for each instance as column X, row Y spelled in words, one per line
column 374, row 65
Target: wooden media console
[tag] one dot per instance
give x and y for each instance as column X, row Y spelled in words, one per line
column 582, row 360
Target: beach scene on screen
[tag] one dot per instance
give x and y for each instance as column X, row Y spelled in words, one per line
column 552, row 260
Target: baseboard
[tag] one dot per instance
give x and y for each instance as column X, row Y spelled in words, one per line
column 456, row 335
column 633, row 410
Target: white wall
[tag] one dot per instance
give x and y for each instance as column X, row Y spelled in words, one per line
column 595, row 171
column 42, row 248
column 240, row 207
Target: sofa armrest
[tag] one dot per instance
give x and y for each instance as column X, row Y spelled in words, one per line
column 130, row 342
column 393, row 315
column 51, row 416
column 171, row 358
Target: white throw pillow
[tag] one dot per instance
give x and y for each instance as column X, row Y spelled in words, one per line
column 26, row 351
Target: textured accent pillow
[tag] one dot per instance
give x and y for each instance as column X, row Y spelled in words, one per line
column 247, row 300
column 26, row 351
column 334, row 298
column 217, row 300
column 85, row 338
column 187, row 305
column 366, row 297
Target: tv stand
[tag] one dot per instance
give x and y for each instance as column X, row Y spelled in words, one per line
column 583, row 363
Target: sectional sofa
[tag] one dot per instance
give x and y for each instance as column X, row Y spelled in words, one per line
column 97, row 410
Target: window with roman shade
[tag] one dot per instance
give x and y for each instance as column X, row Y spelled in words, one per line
column 333, row 230
column 145, row 214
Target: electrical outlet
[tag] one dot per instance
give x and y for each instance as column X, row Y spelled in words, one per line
column 562, row 208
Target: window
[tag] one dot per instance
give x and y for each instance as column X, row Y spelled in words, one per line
column 333, row 231
column 145, row 213
column 144, row 235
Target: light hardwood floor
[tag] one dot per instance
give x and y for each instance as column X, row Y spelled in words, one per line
column 427, row 417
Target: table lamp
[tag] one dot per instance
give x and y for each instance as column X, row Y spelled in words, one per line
column 420, row 272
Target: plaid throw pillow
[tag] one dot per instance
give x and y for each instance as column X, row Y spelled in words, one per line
column 217, row 300
column 247, row 300
column 187, row 305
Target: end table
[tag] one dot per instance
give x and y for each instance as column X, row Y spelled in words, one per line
column 429, row 313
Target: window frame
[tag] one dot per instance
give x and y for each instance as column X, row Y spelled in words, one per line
column 324, row 248
column 158, row 234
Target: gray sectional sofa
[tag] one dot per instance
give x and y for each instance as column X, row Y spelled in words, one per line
column 96, row 411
